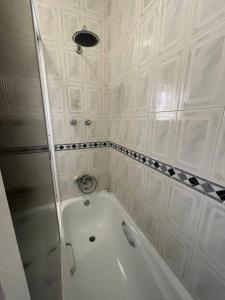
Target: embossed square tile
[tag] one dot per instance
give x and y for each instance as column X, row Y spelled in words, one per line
column 206, row 14
column 163, row 133
column 175, row 17
column 196, row 130
column 204, row 72
column 211, row 240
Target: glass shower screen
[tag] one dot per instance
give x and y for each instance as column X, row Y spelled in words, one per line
column 24, row 152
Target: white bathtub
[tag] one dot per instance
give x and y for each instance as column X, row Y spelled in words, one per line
column 110, row 268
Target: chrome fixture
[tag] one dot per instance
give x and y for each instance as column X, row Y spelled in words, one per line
column 73, row 122
column 128, row 235
column 86, row 202
column 73, row 268
column 87, row 122
column 86, row 183
column 85, row 38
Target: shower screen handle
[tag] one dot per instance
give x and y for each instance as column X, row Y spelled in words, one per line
column 128, row 235
column 73, row 268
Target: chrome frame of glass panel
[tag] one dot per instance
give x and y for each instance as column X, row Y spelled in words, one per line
column 45, row 98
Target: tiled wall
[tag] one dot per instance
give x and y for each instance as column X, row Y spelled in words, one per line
column 165, row 63
column 76, row 86
column 157, row 81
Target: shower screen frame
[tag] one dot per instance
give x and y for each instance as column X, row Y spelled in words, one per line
column 46, row 105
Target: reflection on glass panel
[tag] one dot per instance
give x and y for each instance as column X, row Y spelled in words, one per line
column 27, row 174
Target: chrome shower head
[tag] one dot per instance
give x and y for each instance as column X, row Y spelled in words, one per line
column 85, row 38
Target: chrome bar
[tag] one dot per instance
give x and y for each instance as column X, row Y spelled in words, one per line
column 128, row 235
column 73, row 269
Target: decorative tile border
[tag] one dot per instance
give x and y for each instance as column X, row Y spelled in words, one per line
column 204, row 186
column 78, row 146
column 23, row 150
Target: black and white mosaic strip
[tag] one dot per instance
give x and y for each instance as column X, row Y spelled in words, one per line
column 23, row 150
column 79, row 146
column 204, row 186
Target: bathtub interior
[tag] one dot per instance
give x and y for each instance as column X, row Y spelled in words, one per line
column 109, row 268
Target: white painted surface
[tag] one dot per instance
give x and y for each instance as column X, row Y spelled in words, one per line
column 110, row 268
column 13, row 284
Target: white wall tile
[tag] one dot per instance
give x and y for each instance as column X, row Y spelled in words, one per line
column 146, row 4
column 53, row 62
column 176, row 252
column 75, row 97
column 157, row 190
column 94, row 71
column 140, row 175
column 150, row 224
column 62, row 164
column 129, row 95
column 163, row 133
column 67, row 188
column 94, row 131
column 93, row 6
column 131, row 52
column 71, row 24
column 125, row 131
column 73, row 66
column 96, row 158
column 204, row 283
column 94, row 100
column 148, row 41
column 207, row 14
column 134, row 208
column 77, row 162
column 74, row 3
column 168, row 81
column 196, row 130
column 145, row 91
column 140, row 130
column 174, row 23
column 59, row 130
column 204, row 71
column 211, row 239
column 132, row 11
column 125, row 169
column 217, row 173
column 49, row 21
column 120, row 23
column 184, row 207
column 56, row 98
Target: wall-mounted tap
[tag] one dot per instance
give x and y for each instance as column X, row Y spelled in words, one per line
column 87, row 122
column 73, row 122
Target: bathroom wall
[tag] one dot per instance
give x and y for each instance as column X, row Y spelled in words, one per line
column 76, row 87
column 165, row 63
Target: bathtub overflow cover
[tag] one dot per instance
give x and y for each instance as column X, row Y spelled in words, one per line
column 92, row 239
